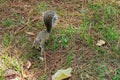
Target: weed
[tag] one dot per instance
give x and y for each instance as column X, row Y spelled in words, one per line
column 1, row 78
column 94, row 6
column 110, row 34
column 25, row 56
column 69, row 58
column 70, row 30
column 8, row 22
column 14, row 64
column 32, row 53
column 37, row 24
column 116, row 49
column 2, row 1
column 64, row 41
column 84, row 35
column 44, row 77
column 1, row 74
column 19, row 20
column 84, row 26
column 6, row 38
column 102, row 71
column 89, row 40
column 61, row 12
column 22, row 40
column 102, row 13
column 116, row 76
column 100, row 50
column 42, row 7
column 110, row 10
column 55, row 44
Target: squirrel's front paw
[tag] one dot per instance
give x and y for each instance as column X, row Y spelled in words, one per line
column 41, row 48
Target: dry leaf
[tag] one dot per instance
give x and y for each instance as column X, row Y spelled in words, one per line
column 62, row 74
column 118, row 3
column 25, row 73
column 100, row 43
column 15, row 79
column 30, row 33
column 12, row 75
column 27, row 64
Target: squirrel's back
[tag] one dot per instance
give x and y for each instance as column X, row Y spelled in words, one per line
column 40, row 39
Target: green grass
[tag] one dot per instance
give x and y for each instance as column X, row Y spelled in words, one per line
column 103, row 20
column 110, row 34
column 6, row 39
column 8, row 22
column 2, row 1
column 103, row 13
column 10, row 63
column 22, row 40
column 102, row 70
column 63, row 39
column 69, row 58
column 20, row 20
column 116, row 49
column 1, row 74
column 100, row 50
column 68, row 31
column 116, row 76
column 55, row 44
column 44, row 77
column 42, row 7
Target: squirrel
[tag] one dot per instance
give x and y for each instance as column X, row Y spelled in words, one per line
column 49, row 19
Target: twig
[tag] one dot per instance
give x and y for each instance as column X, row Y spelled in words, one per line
column 50, row 56
column 45, row 61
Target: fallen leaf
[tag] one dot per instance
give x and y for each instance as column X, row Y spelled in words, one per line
column 62, row 74
column 11, row 75
column 100, row 43
column 25, row 73
column 118, row 3
column 15, row 79
column 30, row 33
column 27, row 64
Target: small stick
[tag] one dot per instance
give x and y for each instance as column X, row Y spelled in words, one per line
column 45, row 61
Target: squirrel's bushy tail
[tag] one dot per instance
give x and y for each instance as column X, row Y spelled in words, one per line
column 49, row 19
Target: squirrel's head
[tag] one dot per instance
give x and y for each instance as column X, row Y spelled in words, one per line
column 37, row 45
